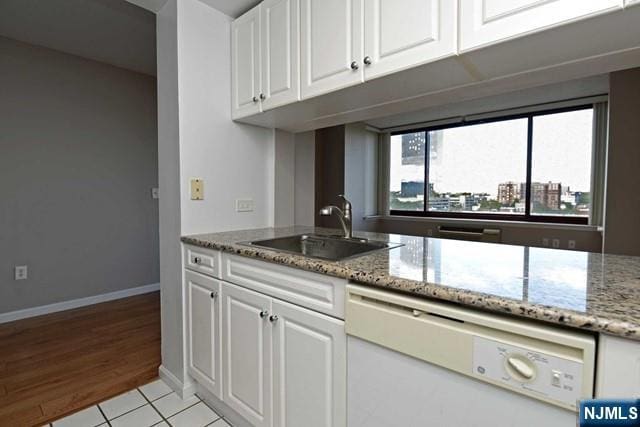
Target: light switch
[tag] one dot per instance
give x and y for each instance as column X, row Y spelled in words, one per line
column 197, row 189
column 244, row 205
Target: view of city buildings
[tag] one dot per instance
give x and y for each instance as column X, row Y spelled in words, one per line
column 507, row 197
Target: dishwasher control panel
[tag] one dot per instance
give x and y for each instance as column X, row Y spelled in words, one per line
column 528, row 371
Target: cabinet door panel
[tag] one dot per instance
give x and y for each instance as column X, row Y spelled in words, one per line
column 309, row 353
column 280, row 63
column 400, row 34
column 484, row 22
column 247, row 354
column 203, row 310
column 245, row 64
column 331, row 39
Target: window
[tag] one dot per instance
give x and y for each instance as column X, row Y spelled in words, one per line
column 529, row 167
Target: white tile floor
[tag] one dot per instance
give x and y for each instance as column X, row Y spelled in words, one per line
column 153, row 404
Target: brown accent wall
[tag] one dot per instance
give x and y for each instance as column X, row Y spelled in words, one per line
column 329, row 170
column 622, row 216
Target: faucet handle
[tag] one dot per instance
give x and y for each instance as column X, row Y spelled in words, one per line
column 347, row 203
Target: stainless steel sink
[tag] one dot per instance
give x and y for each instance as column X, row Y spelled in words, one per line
column 332, row 248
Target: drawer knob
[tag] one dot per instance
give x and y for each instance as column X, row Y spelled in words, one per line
column 196, row 260
column 367, row 60
column 273, row 318
column 354, row 65
column 263, row 314
column 214, row 295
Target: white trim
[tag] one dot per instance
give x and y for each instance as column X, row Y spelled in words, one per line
column 80, row 302
column 488, row 222
column 183, row 389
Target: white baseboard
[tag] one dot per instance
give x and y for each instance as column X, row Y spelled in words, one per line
column 183, row 390
column 81, row 302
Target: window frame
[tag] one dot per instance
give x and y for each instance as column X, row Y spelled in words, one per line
column 527, row 216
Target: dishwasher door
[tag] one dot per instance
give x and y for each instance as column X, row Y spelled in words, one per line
column 413, row 362
column 388, row 389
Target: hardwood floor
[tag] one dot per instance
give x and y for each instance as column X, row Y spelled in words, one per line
column 53, row 365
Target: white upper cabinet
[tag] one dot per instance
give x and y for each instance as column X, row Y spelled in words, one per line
column 245, row 64
column 203, row 311
column 483, row 22
column 309, row 368
column 280, row 50
column 331, row 45
column 401, row 34
column 630, row 2
column 247, row 353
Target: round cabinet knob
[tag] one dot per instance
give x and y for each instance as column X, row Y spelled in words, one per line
column 263, row 314
column 354, row 65
column 273, row 317
column 520, row 367
column 196, row 260
column 255, row 99
column 214, row 295
column 262, row 97
column 367, row 60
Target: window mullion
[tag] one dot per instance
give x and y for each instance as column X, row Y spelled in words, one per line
column 527, row 201
column 427, row 150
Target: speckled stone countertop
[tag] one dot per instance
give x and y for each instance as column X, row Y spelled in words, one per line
column 583, row 290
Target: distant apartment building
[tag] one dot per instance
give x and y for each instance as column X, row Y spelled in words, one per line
column 548, row 194
column 509, row 192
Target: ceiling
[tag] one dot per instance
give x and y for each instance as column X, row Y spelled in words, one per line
column 233, row 8
column 112, row 31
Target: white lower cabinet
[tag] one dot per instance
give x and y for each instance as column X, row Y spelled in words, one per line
column 247, row 353
column 203, row 339
column 309, row 368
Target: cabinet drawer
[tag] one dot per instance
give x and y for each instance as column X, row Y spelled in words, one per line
column 202, row 260
column 315, row 291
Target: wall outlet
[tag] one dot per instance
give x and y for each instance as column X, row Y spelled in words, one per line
column 571, row 244
column 430, row 232
column 555, row 243
column 545, row 241
column 155, row 193
column 197, row 189
column 20, row 272
column 244, row 205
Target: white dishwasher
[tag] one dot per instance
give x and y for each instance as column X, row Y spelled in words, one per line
column 413, row 362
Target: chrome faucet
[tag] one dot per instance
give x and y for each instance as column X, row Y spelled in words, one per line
column 344, row 215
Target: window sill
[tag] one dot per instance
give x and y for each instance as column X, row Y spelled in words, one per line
column 487, row 222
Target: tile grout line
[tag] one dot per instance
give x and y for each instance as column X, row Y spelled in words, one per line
column 214, row 411
column 180, row 411
column 150, row 403
column 103, row 414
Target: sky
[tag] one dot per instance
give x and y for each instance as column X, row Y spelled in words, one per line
column 477, row 158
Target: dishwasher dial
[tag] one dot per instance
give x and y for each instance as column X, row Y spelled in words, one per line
column 520, row 368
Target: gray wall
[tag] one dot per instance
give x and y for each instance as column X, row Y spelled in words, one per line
column 622, row 216
column 78, row 159
column 304, row 189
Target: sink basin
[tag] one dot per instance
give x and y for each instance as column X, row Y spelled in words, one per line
column 332, row 248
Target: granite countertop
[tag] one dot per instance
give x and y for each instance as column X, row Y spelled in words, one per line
column 583, row 290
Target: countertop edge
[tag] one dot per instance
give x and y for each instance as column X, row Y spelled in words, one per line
column 480, row 301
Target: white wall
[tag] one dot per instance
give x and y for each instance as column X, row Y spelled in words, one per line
column 197, row 139
column 234, row 160
column 304, row 191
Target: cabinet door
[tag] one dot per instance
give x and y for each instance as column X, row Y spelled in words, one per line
column 401, row 34
column 245, row 64
column 331, row 40
column 280, row 63
column 247, row 353
column 310, row 368
column 203, row 312
column 484, row 22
